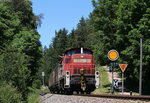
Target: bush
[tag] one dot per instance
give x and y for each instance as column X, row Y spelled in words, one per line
column 36, row 84
column 9, row 94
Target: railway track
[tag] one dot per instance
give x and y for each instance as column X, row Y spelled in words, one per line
column 83, row 98
column 123, row 97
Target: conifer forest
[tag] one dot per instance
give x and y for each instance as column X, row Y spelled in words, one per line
column 113, row 24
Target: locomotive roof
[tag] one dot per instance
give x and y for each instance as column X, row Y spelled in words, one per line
column 85, row 49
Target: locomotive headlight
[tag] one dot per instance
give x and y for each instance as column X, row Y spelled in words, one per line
column 67, row 73
column 97, row 74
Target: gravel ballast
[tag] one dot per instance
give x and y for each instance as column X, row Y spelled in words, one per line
column 57, row 98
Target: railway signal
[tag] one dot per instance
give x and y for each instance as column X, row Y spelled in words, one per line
column 113, row 55
column 115, row 83
column 110, row 68
column 123, row 68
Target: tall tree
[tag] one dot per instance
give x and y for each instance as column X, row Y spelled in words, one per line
column 14, row 69
column 19, row 46
column 8, row 23
column 27, row 38
column 71, row 39
column 81, row 33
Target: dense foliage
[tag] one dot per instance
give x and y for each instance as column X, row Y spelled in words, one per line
column 113, row 24
column 20, row 48
column 9, row 94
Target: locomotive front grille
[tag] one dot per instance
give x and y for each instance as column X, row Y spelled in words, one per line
column 85, row 70
column 88, row 69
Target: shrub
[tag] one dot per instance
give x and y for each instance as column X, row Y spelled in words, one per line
column 9, row 94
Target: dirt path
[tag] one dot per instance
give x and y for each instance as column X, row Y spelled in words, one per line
column 116, row 77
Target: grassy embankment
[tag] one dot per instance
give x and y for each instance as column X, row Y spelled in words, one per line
column 104, row 87
column 34, row 96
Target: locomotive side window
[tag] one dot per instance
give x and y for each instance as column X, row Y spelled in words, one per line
column 67, row 60
column 73, row 52
column 87, row 52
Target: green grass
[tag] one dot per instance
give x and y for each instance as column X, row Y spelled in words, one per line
column 33, row 97
column 46, row 90
column 104, row 87
column 135, row 93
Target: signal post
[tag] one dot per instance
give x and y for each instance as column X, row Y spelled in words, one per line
column 113, row 55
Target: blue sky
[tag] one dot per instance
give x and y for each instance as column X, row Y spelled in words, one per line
column 59, row 14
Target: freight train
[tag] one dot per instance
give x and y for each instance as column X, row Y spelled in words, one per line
column 75, row 72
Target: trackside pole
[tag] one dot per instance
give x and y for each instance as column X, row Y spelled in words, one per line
column 112, row 88
column 43, row 74
column 140, row 79
column 43, row 81
column 122, row 82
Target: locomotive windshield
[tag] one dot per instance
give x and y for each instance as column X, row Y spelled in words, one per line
column 78, row 51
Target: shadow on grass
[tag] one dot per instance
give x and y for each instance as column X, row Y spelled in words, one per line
column 108, row 86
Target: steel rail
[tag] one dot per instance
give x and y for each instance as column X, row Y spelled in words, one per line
column 125, row 97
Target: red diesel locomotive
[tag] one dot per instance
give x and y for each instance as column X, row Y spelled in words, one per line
column 75, row 72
